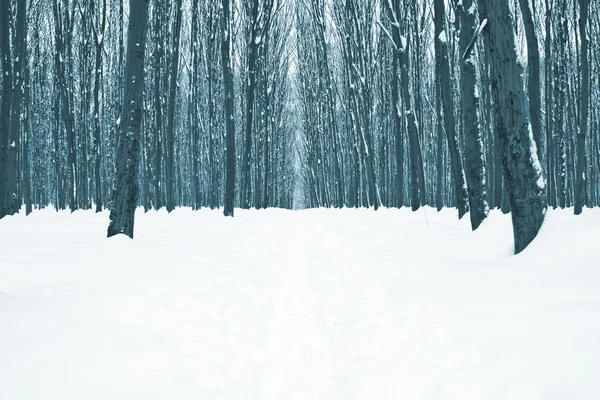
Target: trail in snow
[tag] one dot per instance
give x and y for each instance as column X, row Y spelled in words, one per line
column 316, row 304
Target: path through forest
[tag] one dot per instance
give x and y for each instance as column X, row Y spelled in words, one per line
column 314, row 304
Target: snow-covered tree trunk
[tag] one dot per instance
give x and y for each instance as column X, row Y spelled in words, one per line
column 474, row 165
column 522, row 170
column 533, row 78
column 126, row 176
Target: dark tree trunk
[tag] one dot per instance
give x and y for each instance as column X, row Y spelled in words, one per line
column 97, row 72
column 474, row 166
column 550, row 191
column 533, row 79
column 444, row 80
column 250, row 95
column 126, row 179
column 63, row 43
column 229, row 113
column 158, row 111
column 522, row 171
column 580, row 177
column 6, row 170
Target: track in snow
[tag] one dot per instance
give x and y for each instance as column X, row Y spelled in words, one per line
column 317, row 304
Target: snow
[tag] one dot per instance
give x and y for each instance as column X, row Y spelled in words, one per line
column 315, row 304
column 442, row 37
column 403, row 42
column 471, row 9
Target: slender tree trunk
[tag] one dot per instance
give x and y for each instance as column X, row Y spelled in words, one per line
column 126, row 180
column 549, row 114
column 522, row 170
column 158, row 111
column 474, row 166
column 229, row 112
column 97, row 143
column 195, row 100
column 5, row 134
column 26, row 131
column 254, row 42
column 170, row 168
column 62, row 46
column 444, row 79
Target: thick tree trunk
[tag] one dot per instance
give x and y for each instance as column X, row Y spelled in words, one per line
column 226, row 31
column 126, row 179
column 522, row 170
column 533, row 79
column 580, row 178
column 474, row 166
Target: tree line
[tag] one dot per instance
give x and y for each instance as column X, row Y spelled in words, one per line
column 473, row 104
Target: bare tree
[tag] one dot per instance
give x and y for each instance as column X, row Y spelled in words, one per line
column 522, row 170
column 226, row 37
column 125, row 196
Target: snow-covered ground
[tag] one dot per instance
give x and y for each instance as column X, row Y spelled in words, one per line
column 315, row 304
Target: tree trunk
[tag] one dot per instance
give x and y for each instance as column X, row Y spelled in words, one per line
column 254, row 42
column 550, row 192
column 170, row 167
column 97, row 143
column 533, row 56
column 522, row 170
column 580, row 177
column 5, row 134
column 226, row 30
column 474, row 166
column 444, row 80
column 158, row 112
column 62, row 51
column 126, row 178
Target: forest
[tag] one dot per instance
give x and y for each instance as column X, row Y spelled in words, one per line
column 300, row 104
column 331, row 199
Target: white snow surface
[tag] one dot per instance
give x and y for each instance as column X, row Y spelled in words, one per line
column 315, row 304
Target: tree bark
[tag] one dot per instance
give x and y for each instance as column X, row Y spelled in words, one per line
column 126, row 178
column 170, row 162
column 226, row 31
column 97, row 72
column 444, row 80
column 580, row 177
column 533, row 79
column 474, row 166
column 5, row 143
column 522, row 170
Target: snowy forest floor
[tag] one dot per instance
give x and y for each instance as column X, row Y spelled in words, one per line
column 314, row 304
